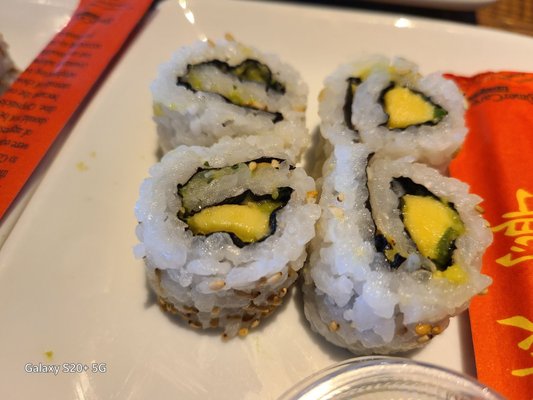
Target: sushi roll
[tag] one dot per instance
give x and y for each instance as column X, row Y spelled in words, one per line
column 398, row 252
column 223, row 232
column 8, row 70
column 211, row 90
column 393, row 109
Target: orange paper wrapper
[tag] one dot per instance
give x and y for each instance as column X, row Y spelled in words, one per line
column 41, row 101
column 496, row 160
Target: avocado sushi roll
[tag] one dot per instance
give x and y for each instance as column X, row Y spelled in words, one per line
column 393, row 109
column 223, row 232
column 211, row 90
column 398, row 252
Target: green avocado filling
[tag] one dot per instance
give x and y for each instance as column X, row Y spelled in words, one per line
column 406, row 107
column 433, row 225
column 247, row 217
column 198, row 79
column 248, row 222
column 200, row 180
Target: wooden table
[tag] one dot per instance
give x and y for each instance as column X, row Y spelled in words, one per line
column 510, row 15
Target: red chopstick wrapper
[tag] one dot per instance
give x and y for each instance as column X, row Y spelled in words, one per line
column 40, row 102
column 497, row 161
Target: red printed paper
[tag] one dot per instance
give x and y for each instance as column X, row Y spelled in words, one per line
column 496, row 160
column 40, row 102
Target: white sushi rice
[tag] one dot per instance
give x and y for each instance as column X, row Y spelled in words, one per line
column 198, row 118
column 434, row 145
column 207, row 279
column 351, row 295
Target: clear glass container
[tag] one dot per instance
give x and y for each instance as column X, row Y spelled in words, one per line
column 388, row 378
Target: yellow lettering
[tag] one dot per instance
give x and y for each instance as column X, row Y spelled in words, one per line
column 522, row 372
column 520, row 225
column 523, row 210
column 521, row 322
column 508, row 260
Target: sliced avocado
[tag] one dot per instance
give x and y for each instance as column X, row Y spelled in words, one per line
column 249, row 222
column 406, row 107
column 247, row 218
column 433, row 225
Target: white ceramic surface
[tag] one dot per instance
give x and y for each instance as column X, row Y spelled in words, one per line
column 69, row 283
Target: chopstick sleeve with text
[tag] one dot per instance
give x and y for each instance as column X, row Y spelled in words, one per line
column 40, row 102
column 496, row 161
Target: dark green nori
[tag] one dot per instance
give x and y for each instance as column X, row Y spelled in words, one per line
column 410, row 187
column 382, row 245
column 353, row 82
column 380, row 242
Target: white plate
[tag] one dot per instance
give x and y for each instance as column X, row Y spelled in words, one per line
column 452, row 5
column 69, row 283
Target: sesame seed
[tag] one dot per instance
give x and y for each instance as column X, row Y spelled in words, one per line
column 333, row 326
column 423, row 339
column 275, row 300
column 229, row 37
column 194, row 324
column 436, row 330
column 242, row 293
column 423, row 329
column 275, row 278
column 243, row 332
column 217, row 285
column 252, row 165
column 274, row 163
column 261, row 281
